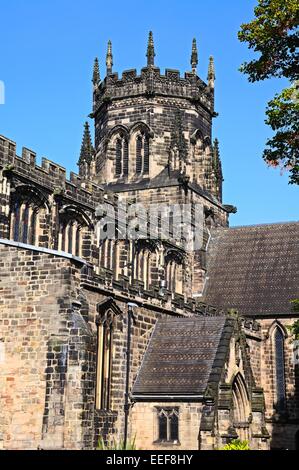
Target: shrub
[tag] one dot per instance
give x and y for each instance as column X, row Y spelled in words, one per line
column 120, row 445
column 236, row 444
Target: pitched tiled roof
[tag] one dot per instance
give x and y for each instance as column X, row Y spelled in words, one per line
column 183, row 356
column 254, row 269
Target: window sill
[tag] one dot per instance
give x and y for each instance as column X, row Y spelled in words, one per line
column 101, row 412
column 167, row 443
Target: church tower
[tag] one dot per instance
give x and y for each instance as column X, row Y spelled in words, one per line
column 153, row 146
column 153, row 125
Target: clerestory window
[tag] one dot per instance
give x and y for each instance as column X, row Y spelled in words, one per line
column 24, row 222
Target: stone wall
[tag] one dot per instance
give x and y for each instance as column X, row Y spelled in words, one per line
column 144, row 425
column 282, row 424
column 48, row 335
column 40, row 361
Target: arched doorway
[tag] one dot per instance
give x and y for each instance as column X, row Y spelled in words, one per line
column 241, row 407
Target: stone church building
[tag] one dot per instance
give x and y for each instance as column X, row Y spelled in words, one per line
column 122, row 338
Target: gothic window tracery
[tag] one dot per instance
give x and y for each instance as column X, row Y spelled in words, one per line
column 109, row 255
column 174, row 271
column 145, row 260
column 72, row 230
column 70, row 237
column 241, row 407
column 168, row 424
column 24, row 217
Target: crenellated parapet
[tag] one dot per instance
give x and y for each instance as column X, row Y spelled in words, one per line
column 51, row 176
column 152, row 83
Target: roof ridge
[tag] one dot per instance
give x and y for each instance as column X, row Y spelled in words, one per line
column 271, row 224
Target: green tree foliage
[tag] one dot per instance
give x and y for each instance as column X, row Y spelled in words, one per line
column 294, row 328
column 236, row 444
column 274, row 35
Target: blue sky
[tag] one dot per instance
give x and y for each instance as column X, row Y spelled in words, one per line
column 47, row 50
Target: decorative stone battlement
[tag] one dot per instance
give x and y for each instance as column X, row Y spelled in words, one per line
column 152, row 83
column 49, row 174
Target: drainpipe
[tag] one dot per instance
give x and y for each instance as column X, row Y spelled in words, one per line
column 131, row 305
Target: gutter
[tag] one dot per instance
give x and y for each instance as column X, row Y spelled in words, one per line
column 168, row 397
column 49, row 251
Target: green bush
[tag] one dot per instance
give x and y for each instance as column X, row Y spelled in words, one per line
column 120, row 445
column 294, row 328
column 236, row 444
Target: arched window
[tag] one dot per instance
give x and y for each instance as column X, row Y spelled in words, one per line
column 145, row 257
column 278, row 337
column 168, row 425
column 78, row 241
column 121, row 156
column 109, row 256
column 33, row 227
column 104, row 362
column 16, row 229
column 25, row 223
column 143, row 267
column 24, row 218
column 146, row 156
column 70, row 237
column 138, row 154
column 142, row 153
column 118, row 157
column 241, row 407
column 174, row 273
column 72, row 229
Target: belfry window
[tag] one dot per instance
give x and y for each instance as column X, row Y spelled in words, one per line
column 168, row 425
column 121, row 156
column 279, row 368
column 104, row 363
column 142, row 154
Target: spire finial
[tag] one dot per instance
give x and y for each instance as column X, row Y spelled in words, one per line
column 194, row 56
column 87, row 150
column 109, row 58
column 211, row 73
column 150, row 54
column 96, row 72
